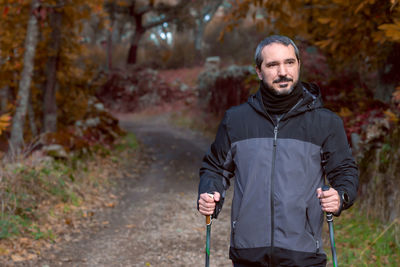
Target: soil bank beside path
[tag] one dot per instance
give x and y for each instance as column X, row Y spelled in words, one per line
column 156, row 222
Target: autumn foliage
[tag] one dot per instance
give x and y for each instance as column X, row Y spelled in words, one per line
column 64, row 78
column 4, row 122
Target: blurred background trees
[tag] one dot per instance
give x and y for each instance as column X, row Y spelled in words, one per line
column 59, row 58
column 67, row 65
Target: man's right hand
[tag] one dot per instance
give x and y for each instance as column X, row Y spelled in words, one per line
column 207, row 203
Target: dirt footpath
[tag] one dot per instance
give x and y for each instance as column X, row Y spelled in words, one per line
column 156, row 222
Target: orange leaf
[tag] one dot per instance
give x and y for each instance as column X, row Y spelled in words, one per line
column 110, row 205
column 4, row 122
column 396, row 95
column 391, row 116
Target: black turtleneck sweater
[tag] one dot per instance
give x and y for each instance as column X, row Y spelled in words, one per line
column 280, row 104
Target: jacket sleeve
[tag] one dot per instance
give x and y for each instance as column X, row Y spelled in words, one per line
column 338, row 163
column 217, row 166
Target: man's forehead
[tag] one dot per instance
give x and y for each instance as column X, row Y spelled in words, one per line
column 278, row 51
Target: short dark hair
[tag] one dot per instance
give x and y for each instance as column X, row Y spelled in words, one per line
column 274, row 39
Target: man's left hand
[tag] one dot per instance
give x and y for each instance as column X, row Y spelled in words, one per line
column 330, row 200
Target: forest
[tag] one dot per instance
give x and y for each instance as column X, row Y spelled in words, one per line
column 70, row 70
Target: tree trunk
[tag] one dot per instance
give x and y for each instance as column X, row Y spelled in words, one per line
column 109, row 49
column 110, row 36
column 198, row 38
column 210, row 9
column 132, row 55
column 389, row 75
column 137, row 14
column 31, row 116
column 50, row 103
column 4, row 98
column 17, row 128
column 139, row 31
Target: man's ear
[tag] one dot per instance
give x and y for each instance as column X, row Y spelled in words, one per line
column 259, row 73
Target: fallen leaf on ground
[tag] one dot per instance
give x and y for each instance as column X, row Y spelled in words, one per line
column 110, row 205
column 17, row 258
column 68, row 221
column 31, row 256
column 24, row 240
column 4, row 251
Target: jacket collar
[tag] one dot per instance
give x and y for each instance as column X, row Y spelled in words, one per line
column 311, row 100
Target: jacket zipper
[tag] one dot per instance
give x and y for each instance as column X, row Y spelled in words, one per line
column 272, row 201
column 233, row 231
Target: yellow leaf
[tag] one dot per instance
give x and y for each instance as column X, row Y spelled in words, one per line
column 5, row 117
column 324, row 20
column 4, row 251
column 4, row 122
column 360, row 6
column 391, row 116
column 323, row 43
column 392, row 31
column 345, row 112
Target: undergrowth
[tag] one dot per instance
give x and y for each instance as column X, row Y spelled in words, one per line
column 362, row 241
column 37, row 193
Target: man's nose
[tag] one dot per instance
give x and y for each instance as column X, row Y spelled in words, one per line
column 282, row 70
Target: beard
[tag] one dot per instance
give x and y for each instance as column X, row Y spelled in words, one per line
column 281, row 93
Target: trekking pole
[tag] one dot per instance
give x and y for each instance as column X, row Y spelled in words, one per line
column 329, row 219
column 208, row 237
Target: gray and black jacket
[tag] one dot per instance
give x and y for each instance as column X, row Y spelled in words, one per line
column 278, row 164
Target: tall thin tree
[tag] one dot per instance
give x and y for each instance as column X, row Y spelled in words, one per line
column 203, row 13
column 50, row 103
column 17, row 128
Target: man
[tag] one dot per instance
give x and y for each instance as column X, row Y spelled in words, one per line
column 279, row 146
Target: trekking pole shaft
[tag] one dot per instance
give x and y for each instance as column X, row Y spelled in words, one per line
column 208, row 222
column 208, row 237
column 329, row 219
column 332, row 240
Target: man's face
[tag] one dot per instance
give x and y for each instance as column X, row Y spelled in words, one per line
column 279, row 69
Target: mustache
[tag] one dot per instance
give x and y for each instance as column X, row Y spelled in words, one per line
column 283, row 79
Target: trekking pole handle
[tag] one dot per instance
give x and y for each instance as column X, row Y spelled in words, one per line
column 208, row 217
column 329, row 216
column 326, row 188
